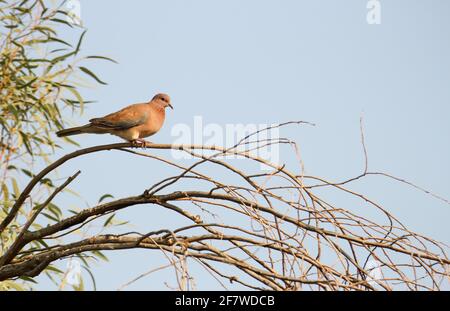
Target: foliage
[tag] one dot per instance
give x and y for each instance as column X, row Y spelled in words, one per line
column 40, row 79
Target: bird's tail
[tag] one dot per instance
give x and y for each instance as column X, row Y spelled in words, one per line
column 74, row 131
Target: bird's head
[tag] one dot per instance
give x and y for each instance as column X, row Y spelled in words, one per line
column 163, row 100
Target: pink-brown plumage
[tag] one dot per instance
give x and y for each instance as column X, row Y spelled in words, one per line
column 132, row 123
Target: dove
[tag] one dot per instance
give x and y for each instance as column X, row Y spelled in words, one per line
column 132, row 123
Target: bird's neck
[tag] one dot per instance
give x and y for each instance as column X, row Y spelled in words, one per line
column 159, row 107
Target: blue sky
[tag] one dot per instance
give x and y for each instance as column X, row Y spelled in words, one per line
column 260, row 61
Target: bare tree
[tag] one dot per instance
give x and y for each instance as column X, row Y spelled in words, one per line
column 285, row 233
column 274, row 229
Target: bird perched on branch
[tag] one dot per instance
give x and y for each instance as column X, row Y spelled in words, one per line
column 132, row 123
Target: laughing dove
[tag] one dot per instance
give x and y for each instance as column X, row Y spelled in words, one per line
column 132, row 123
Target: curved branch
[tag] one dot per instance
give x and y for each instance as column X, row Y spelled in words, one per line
column 288, row 235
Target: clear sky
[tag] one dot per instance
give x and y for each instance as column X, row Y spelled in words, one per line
column 260, row 61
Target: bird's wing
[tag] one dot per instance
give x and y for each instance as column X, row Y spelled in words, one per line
column 126, row 118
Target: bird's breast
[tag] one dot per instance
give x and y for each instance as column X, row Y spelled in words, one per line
column 153, row 124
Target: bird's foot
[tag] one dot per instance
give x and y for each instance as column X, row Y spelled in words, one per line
column 139, row 143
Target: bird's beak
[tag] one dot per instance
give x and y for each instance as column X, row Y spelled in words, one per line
column 170, row 106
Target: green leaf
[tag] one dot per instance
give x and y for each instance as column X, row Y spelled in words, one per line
column 78, row 97
column 61, row 21
column 59, row 41
column 50, row 217
column 5, row 192
column 74, row 193
column 27, row 172
column 42, row 242
column 28, row 279
column 92, row 277
column 12, row 167
column 62, row 57
column 26, row 142
column 54, row 269
column 108, row 221
column 104, row 197
column 79, row 42
column 45, row 30
column 55, row 210
column 92, row 75
column 71, row 141
column 100, row 255
column 83, row 259
column 29, row 83
column 102, row 57
column 79, row 287
column 15, row 187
